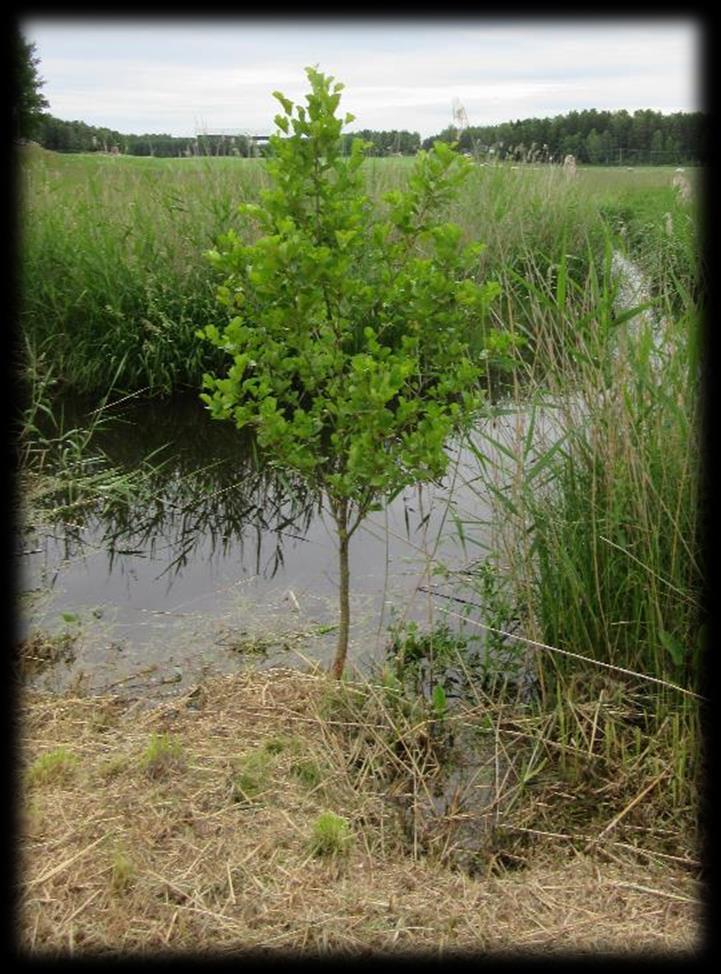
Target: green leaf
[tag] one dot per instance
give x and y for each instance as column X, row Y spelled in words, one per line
column 440, row 701
column 675, row 649
column 444, row 152
column 346, row 335
column 285, row 102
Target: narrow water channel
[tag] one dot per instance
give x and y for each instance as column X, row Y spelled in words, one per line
column 216, row 563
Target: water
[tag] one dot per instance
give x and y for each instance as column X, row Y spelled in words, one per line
column 217, row 563
column 209, row 564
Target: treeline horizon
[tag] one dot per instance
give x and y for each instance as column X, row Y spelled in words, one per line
column 644, row 137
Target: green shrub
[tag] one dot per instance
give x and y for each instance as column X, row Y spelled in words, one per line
column 347, row 328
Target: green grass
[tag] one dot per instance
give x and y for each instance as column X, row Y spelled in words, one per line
column 597, row 518
column 114, row 284
column 62, row 471
column 112, row 272
column 52, row 768
column 600, row 549
column 331, row 836
column 605, row 548
column 163, row 754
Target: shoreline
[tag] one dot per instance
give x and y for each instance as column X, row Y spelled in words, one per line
column 203, row 844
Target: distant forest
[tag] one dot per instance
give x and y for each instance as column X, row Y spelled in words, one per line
column 594, row 137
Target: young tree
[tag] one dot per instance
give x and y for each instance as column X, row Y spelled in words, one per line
column 29, row 102
column 348, row 328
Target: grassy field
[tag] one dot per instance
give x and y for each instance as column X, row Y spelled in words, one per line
column 114, row 283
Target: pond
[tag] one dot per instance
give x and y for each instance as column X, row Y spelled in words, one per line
column 214, row 562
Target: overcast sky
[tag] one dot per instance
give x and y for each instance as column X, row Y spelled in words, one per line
column 182, row 77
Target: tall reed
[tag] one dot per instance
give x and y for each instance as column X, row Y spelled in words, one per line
column 599, row 481
column 594, row 479
column 112, row 265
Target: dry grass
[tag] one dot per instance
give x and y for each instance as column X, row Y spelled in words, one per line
column 211, row 851
column 41, row 650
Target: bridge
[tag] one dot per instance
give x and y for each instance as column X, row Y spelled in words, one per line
column 232, row 133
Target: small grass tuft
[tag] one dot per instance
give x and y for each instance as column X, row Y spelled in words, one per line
column 251, row 779
column 162, row 754
column 53, row 767
column 331, row 836
column 123, row 872
column 307, row 771
column 114, row 766
column 280, row 743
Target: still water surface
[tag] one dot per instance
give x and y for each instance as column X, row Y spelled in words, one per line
column 218, row 563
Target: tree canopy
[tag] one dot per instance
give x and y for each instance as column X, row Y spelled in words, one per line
column 349, row 327
column 596, row 137
column 643, row 137
column 29, row 102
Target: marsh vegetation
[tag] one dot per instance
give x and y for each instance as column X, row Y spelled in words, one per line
column 544, row 715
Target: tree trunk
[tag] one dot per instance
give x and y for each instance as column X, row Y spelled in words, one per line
column 341, row 519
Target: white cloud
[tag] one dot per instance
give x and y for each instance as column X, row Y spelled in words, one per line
column 151, row 76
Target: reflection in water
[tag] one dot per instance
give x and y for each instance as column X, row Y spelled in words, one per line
column 214, row 550
column 203, row 486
